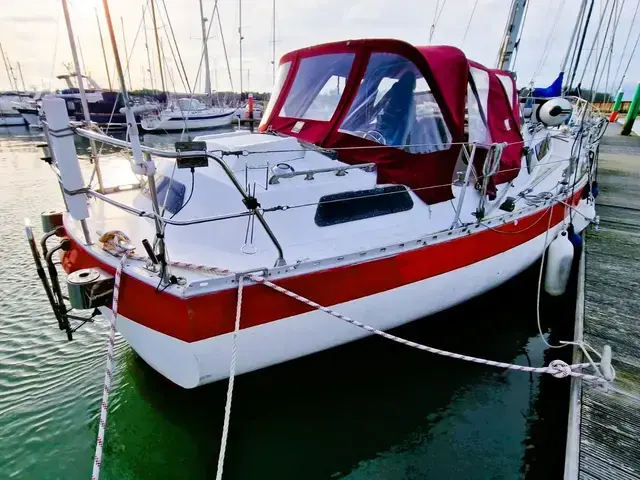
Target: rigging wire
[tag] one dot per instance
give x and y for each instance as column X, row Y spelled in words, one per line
column 604, row 43
column 436, row 18
column 164, row 5
column 610, row 53
column 466, row 30
column 633, row 51
column 593, row 48
column 548, row 43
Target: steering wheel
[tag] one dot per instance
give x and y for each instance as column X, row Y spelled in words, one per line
column 376, row 136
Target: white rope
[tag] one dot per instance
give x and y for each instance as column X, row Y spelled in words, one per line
column 232, row 376
column 557, row 368
column 97, row 461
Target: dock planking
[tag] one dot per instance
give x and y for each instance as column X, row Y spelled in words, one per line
column 604, row 425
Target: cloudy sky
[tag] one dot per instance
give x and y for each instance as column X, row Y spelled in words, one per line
column 33, row 33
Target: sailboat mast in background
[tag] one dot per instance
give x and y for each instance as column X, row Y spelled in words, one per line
column 205, row 47
column 146, row 47
column 104, row 54
column 83, row 95
column 511, row 35
column 240, row 35
column 6, row 66
column 24, row 88
column 155, row 31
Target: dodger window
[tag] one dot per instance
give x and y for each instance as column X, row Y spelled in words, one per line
column 318, row 87
column 394, row 106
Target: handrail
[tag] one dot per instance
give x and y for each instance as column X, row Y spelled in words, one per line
column 275, row 178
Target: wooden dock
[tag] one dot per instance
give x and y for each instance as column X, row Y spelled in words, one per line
column 604, row 426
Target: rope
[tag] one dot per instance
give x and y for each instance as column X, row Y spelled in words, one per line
column 232, row 376
column 557, row 368
column 107, row 376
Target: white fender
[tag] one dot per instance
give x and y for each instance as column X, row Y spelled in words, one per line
column 559, row 261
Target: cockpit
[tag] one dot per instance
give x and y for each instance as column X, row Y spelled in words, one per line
column 392, row 104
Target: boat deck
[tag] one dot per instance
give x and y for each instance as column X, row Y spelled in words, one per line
column 604, row 426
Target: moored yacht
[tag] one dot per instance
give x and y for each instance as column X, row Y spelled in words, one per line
column 388, row 181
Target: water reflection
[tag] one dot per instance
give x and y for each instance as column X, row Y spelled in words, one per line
column 367, row 410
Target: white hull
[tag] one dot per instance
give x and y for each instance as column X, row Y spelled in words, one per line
column 10, row 120
column 193, row 122
column 193, row 364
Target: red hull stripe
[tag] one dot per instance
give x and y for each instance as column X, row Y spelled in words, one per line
column 197, row 318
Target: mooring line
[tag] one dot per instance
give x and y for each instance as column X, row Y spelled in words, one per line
column 104, row 410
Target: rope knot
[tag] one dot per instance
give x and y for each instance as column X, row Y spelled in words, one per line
column 559, row 369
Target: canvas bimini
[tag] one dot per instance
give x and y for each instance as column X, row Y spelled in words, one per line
column 388, row 181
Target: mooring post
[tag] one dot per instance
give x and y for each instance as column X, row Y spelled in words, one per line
column 64, row 151
column 615, row 111
column 632, row 113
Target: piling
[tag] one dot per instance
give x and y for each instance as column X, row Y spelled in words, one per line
column 634, row 109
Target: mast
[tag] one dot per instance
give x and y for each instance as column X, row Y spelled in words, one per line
column 155, row 31
column 240, row 35
column 24, row 88
column 104, row 53
column 4, row 59
column 146, row 46
column 273, row 43
column 511, row 34
column 84, row 65
column 126, row 52
column 205, row 47
column 83, row 95
column 13, row 75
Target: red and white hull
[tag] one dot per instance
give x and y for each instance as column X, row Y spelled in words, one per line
column 189, row 340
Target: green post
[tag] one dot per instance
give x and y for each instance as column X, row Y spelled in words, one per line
column 618, row 103
column 632, row 114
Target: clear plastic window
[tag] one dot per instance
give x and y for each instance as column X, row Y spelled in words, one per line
column 477, row 114
column 318, row 87
column 283, row 71
column 394, row 106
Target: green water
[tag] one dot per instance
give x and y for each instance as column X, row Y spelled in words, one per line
column 369, row 410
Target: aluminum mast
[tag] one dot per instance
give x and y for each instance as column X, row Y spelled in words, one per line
column 511, row 35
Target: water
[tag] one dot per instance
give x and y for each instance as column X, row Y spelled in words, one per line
column 369, row 410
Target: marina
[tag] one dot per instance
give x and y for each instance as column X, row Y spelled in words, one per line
column 371, row 271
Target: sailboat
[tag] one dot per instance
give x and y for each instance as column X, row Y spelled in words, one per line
column 186, row 114
column 190, row 113
column 368, row 189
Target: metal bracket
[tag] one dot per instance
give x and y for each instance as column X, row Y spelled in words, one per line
column 263, row 270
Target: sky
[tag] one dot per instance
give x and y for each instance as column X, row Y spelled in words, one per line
column 36, row 36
